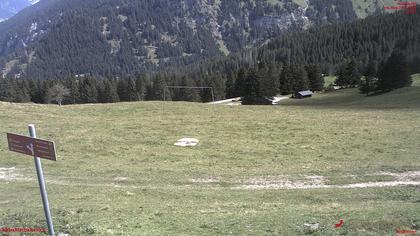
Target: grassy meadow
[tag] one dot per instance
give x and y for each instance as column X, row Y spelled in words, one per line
column 118, row 172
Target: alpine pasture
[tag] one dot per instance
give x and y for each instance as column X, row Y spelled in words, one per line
column 258, row 170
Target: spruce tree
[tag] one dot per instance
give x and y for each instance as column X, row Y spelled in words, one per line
column 88, row 90
column 159, row 85
column 395, row 73
column 252, row 89
column 132, row 94
column 240, row 83
column 110, row 93
column 348, row 75
column 7, row 90
column 141, row 84
column 230, row 86
column 269, row 80
column 72, row 84
column 370, row 82
column 293, row 79
column 316, row 80
column 188, row 94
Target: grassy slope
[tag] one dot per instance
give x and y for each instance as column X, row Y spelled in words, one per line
column 405, row 98
column 335, row 134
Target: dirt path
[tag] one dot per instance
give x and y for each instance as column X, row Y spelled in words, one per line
column 411, row 178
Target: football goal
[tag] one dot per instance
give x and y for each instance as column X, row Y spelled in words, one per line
column 176, row 90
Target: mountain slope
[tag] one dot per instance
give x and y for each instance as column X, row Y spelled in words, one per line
column 56, row 38
column 9, row 8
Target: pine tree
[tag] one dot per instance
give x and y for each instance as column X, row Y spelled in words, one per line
column 395, row 73
column 348, row 75
column 188, row 94
column 110, row 93
column 159, row 85
column 88, row 90
column 293, row 79
column 122, row 89
column 20, row 91
column 370, row 82
column 36, row 91
column 230, row 86
column 269, row 80
column 72, row 84
column 132, row 94
column 217, row 82
column 7, row 90
column 252, row 90
column 240, row 83
column 141, row 84
column 316, row 80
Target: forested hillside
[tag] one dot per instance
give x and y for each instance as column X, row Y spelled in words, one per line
column 384, row 48
column 57, row 38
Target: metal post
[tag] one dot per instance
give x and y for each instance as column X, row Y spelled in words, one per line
column 212, row 97
column 42, row 188
column 164, row 101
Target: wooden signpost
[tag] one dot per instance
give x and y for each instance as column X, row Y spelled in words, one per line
column 31, row 146
column 37, row 148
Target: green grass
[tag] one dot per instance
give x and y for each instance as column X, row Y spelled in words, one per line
column 329, row 80
column 405, row 98
column 170, row 190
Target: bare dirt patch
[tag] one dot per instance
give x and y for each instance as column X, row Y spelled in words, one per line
column 411, row 178
column 206, row 180
column 11, row 174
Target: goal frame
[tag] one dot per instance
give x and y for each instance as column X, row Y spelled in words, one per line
column 185, row 87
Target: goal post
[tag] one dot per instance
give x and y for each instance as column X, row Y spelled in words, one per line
column 187, row 87
column 167, row 89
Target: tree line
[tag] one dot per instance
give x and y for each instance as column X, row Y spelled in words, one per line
column 253, row 83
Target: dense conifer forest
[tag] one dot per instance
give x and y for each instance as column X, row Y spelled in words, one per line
column 58, row 38
column 384, row 48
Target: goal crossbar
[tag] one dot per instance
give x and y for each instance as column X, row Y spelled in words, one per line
column 184, row 87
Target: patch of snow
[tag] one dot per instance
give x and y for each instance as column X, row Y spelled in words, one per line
column 33, row 27
column 186, row 142
column 276, row 100
column 120, row 179
column 226, row 101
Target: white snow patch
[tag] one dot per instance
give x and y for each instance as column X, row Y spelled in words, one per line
column 276, row 100
column 226, row 101
column 186, row 142
column 33, row 27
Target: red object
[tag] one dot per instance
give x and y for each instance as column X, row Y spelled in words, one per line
column 32, row 146
column 339, row 225
column 399, row 231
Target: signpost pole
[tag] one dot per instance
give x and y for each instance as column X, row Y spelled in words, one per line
column 41, row 182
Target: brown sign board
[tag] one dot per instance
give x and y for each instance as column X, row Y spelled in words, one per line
column 32, row 146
